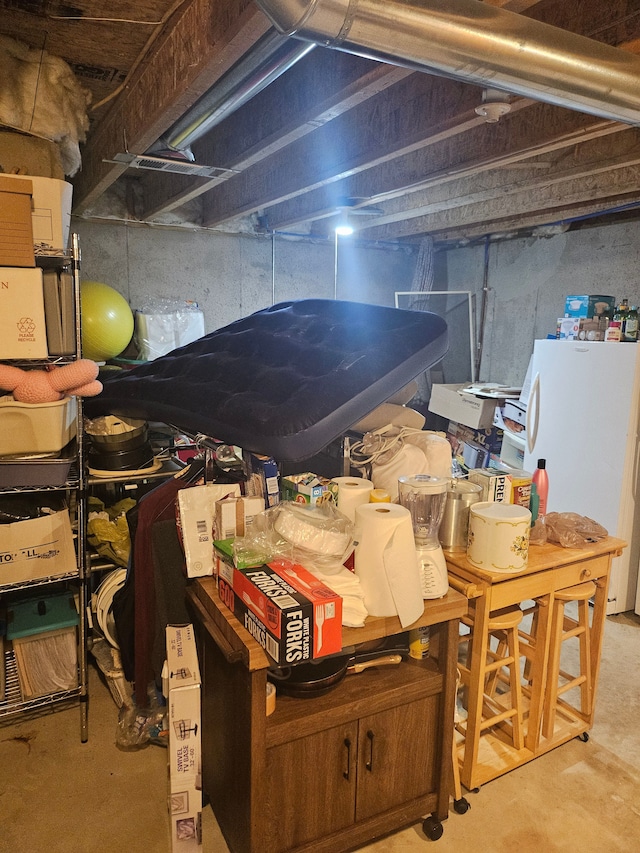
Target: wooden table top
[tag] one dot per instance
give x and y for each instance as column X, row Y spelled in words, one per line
column 541, row 558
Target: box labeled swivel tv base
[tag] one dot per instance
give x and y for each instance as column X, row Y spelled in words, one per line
column 293, row 615
column 184, row 767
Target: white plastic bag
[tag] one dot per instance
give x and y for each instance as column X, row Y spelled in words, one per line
column 392, row 452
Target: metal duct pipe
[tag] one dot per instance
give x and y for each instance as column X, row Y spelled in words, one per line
column 271, row 56
column 476, row 43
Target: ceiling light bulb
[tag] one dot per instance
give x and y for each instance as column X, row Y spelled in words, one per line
column 343, row 229
column 494, row 105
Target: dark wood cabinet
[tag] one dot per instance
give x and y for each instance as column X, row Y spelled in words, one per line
column 335, row 771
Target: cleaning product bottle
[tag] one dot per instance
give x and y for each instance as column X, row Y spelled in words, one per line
column 541, row 480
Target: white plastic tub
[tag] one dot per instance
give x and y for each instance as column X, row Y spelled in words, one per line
column 36, row 427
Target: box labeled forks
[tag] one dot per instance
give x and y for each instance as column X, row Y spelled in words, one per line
column 292, row 614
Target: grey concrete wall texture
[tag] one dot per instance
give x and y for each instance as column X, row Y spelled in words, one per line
column 231, row 276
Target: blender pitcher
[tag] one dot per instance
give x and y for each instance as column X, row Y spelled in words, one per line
column 425, row 497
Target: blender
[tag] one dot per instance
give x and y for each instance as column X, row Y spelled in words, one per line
column 425, row 497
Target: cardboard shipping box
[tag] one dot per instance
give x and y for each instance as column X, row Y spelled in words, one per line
column 23, row 332
column 263, row 478
column 289, row 611
column 24, row 154
column 16, row 235
column 468, row 409
column 37, row 548
column 308, row 488
column 50, row 213
column 233, row 515
column 185, row 744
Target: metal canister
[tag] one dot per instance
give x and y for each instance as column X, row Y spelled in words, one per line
column 461, row 494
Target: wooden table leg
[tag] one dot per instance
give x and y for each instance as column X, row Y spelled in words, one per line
column 538, row 672
column 480, row 608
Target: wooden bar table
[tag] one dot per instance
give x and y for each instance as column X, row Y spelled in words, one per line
column 550, row 568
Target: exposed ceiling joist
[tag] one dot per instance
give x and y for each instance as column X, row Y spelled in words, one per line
column 336, row 124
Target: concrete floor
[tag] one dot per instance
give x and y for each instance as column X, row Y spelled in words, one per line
column 59, row 795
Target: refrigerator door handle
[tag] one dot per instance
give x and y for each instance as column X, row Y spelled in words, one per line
column 533, row 413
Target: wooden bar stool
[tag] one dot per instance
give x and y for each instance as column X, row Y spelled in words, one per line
column 564, row 628
column 502, row 625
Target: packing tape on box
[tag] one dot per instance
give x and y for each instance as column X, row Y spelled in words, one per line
column 352, row 491
column 296, row 525
column 271, row 698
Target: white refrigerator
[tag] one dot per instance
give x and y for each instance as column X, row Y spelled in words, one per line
column 582, row 417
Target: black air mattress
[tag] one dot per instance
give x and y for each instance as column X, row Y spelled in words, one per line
column 284, row 381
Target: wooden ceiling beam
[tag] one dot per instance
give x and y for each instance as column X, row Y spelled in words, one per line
column 385, row 126
column 530, row 129
column 546, row 204
column 199, row 44
column 324, row 85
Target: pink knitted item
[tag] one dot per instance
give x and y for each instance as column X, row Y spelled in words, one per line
column 51, row 383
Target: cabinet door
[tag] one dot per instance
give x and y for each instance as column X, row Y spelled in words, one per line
column 396, row 756
column 310, row 785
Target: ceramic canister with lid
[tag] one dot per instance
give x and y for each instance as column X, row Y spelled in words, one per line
column 499, row 536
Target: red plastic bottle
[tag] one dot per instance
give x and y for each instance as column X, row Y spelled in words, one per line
column 541, row 479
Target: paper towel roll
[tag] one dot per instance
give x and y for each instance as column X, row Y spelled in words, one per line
column 386, row 562
column 499, row 536
column 352, row 491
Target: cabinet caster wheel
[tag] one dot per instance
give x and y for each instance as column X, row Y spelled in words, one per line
column 461, row 806
column 432, row 828
column 584, row 737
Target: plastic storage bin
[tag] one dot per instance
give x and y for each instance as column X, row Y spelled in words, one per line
column 27, row 428
column 43, row 632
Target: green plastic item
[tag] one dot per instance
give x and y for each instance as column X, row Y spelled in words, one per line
column 39, row 614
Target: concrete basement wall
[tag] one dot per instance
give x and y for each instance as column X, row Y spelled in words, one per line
column 231, row 276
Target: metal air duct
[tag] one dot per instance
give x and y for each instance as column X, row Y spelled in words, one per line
column 476, row 43
column 270, row 57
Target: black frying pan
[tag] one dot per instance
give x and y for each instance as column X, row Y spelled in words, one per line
column 318, row 677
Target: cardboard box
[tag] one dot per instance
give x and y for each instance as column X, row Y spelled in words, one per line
column 37, row 548
column 592, row 328
column 185, row 744
column 567, row 328
column 16, row 235
column 50, row 214
column 23, row 154
column 520, row 488
column 225, row 554
column 291, row 613
column 59, row 312
column 490, row 439
column 43, row 631
column 516, row 410
column 588, row 305
column 233, row 515
column 308, row 488
column 263, row 479
column 23, row 333
column 495, row 485
column 449, row 402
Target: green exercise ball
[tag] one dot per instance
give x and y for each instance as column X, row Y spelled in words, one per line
column 107, row 321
